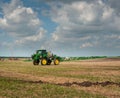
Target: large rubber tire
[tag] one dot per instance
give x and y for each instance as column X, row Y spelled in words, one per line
column 44, row 62
column 36, row 62
column 56, row 62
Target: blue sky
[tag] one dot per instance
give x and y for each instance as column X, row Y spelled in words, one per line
column 65, row 27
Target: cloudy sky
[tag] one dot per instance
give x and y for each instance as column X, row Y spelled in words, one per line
column 65, row 27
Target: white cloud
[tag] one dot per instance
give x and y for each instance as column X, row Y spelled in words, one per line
column 115, row 4
column 82, row 20
column 85, row 45
column 19, row 21
column 34, row 38
column 113, row 37
column 82, row 25
column 22, row 26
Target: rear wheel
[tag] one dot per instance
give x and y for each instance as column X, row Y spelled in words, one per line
column 35, row 62
column 56, row 61
column 43, row 62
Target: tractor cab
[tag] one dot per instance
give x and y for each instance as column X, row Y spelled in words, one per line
column 41, row 51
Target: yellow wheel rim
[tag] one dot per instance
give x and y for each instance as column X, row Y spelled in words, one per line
column 44, row 62
column 56, row 62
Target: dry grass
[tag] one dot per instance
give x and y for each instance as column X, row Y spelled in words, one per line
column 77, row 71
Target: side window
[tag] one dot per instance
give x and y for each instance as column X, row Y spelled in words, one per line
column 39, row 52
column 43, row 52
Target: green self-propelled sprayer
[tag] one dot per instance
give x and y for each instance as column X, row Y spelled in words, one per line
column 45, row 58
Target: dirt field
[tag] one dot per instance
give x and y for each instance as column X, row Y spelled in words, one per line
column 100, row 78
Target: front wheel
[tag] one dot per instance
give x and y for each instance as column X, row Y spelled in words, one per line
column 43, row 62
column 56, row 62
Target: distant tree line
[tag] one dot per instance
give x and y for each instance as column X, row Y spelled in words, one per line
column 81, row 58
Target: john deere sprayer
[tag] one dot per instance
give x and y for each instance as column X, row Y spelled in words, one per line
column 45, row 58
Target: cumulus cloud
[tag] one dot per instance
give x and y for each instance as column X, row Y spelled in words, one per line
column 21, row 28
column 19, row 21
column 79, row 23
column 115, row 4
column 34, row 38
column 113, row 36
column 86, row 45
column 22, row 25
